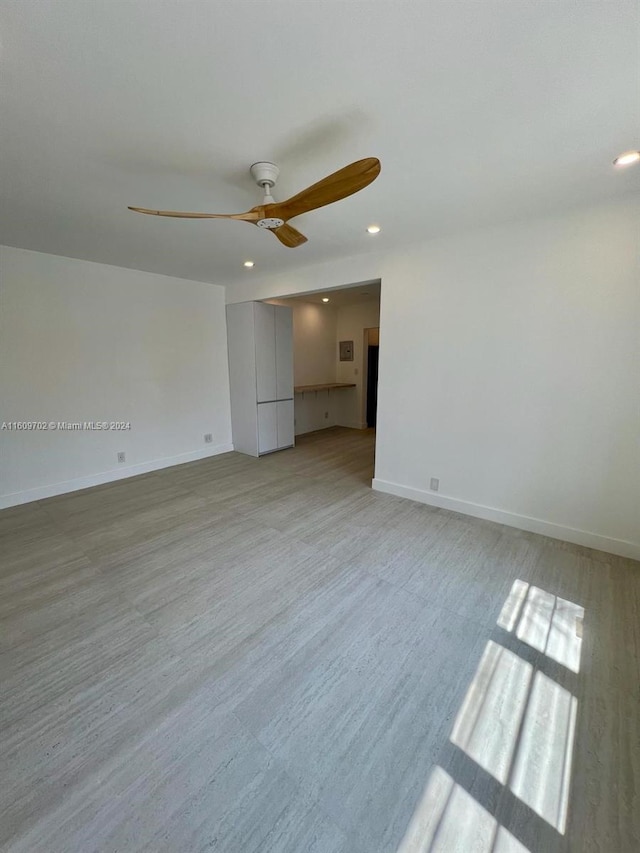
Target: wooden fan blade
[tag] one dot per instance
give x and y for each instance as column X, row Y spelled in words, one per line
column 334, row 187
column 249, row 216
column 289, row 236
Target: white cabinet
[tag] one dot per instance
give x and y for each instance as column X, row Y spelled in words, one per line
column 260, row 342
column 268, row 427
column 265, row 345
column 285, row 423
column 284, row 352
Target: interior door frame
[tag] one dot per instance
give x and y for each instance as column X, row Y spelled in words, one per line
column 365, row 371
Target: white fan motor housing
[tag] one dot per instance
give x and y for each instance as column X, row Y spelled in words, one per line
column 265, row 174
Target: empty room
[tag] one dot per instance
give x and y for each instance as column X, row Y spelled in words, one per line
column 323, row 541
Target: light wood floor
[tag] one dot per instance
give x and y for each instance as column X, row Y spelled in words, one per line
column 265, row 655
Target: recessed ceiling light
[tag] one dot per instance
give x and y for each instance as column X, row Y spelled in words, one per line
column 325, row 298
column 248, row 264
column 627, row 158
column 373, row 229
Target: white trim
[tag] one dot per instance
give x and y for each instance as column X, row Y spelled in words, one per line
column 42, row 492
column 314, row 429
column 349, row 425
column 620, row 547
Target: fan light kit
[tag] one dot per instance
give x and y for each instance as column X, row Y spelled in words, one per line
column 273, row 215
column 627, row 158
column 373, row 229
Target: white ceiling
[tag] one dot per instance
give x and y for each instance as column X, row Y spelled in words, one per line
column 480, row 112
column 339, row 297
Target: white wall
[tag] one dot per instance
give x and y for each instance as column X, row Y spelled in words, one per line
column 314, row 343
column 314, row 363
column 352, row 321
column 509, row 364
column 83, row 341
column 317, row 329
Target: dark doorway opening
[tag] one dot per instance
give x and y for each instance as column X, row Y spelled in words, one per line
column 372, row 384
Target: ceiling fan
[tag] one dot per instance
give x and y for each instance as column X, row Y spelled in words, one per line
column 274, row 215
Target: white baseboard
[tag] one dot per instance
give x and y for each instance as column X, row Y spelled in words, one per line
column 620, row 547
column 323, row 425
column 62, row 488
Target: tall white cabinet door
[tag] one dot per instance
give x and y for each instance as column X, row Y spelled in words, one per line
column 265, row 344
column 284, row 352
column 242, row 377
column 284, row 411
column 267, row 427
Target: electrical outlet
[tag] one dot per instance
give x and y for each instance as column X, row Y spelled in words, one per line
column 435, row 484
column 121, row 456
column 326, row 415
column 208, row 438
column 355, row 371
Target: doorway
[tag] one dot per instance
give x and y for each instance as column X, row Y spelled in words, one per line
column 335, row 367
column 372, row 348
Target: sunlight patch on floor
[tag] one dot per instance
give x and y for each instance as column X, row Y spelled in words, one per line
column 514, row 722
column 545, row 622
column 489, row 720
column 542, row 769
column 449, row 820
column 513, row 605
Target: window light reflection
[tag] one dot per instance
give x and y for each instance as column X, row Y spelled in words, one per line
column 545, row 622
column 449, row 820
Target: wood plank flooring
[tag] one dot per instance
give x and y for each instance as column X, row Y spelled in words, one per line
column 244, row 655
